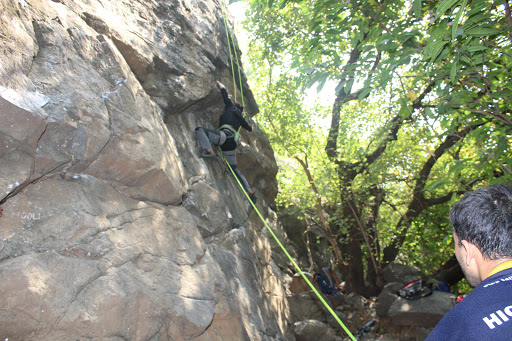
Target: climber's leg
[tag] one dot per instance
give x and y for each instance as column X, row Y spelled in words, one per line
column 231, row 159
column 206, row 137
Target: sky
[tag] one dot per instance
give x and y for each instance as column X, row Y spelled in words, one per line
column 326, row 96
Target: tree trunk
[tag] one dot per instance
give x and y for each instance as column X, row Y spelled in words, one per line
column 353, row 255
column 354, row 274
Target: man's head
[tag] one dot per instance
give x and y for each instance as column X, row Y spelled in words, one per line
column 239, row 106
column 482, row 222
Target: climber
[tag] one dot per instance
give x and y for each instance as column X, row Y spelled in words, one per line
column 226, row 136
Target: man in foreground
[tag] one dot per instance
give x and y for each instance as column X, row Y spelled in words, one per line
column 482, row 222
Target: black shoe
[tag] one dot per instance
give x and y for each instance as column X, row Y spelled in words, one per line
column 253, row 198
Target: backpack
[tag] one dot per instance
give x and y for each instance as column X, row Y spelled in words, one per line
column 236, row 135
column 415, row 289
column 328, row 282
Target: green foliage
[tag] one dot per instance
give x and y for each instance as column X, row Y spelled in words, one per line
column 462, row 287
column 422, row 112
column 429, row 241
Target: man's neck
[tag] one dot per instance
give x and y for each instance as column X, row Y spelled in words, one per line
column 494, row 266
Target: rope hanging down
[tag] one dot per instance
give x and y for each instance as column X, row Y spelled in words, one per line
column 236, row 59
column 256, row 209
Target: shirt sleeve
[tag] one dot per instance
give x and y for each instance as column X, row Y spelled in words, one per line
column 242, row 121
column 227, row 101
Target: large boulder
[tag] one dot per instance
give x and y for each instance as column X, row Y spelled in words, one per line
column 314, row 330
column 396, row 272
column 306, row 306
column 387, row 297
column 298, row 284
column 112, row 226
column 424, row 312
column 313, row 247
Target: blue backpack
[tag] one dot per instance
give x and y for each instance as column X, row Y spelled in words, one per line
column 328, row 282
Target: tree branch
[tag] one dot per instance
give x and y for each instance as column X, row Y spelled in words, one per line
column 419, row 202
column 396, row 123
column 320, row 211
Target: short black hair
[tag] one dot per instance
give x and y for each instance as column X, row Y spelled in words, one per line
column 484, row 218
column 239, row 106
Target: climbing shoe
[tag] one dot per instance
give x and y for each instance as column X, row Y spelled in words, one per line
column 253, row 198
column 207, row 154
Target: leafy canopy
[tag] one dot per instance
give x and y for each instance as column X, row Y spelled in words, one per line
column 421, row 113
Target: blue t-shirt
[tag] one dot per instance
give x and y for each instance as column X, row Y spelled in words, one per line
column 485, row 313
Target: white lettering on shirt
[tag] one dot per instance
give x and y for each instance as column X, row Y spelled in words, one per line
column 492, row 283
column 490, row 321
column 493, row 320
column 503, row 316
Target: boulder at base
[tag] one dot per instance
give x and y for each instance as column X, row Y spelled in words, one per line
column 313, row 330
column 424, row 312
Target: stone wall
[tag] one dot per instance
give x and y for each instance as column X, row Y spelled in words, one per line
column 113, row 228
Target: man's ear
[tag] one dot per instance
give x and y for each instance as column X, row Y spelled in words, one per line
column 469, row 252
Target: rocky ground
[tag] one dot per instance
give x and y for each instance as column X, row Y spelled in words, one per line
column 386, row 317
column 383, row 329
column 360, row 312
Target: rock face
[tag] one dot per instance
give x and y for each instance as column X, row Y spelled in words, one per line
column 112, row 227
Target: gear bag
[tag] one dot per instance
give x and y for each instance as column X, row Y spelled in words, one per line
column 415, row 289
column 328, row 282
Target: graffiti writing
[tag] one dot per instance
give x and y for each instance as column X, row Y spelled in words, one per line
column 28, row 215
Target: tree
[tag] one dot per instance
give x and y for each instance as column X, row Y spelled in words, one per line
column 431, row 80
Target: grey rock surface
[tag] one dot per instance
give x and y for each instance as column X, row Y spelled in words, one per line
column 113, row 228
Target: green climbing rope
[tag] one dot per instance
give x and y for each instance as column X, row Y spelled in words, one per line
column 229, row 47
column 256, row 209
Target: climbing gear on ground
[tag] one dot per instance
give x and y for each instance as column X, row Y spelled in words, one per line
column 328, row 282
column 415, row 289
column 230, row 132
column 366, row 328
